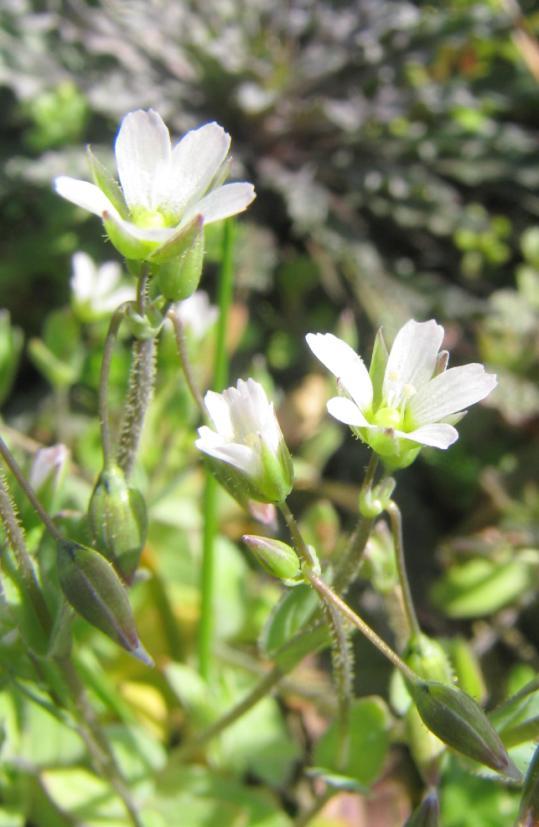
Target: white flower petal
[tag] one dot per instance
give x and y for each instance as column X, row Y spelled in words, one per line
column 412, row 359
column 240, row 456
column 438, row 435
column 345, row 364
column 194, row 163
column 83, row 278
column 346, row 411
column 222, row 203
column 84, row 195
column 451, row 392
column 108, row 276
column 142, row 156
column 219, row 412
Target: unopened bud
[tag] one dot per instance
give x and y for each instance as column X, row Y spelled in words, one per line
column 427, row 814
column 95, row 591
column 277, row 558
column 118, row 519
column 459, row 722
column 528, row 815
column 47, row 473
column 374, row 501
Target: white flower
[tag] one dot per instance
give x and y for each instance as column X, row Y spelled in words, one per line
column 408, row 394
column 163, row 188
column 97, row 291
column 196, row 313
column 247, row 437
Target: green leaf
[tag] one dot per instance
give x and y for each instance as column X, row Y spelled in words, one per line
column 369, row 741
column 470, row 801
column 480, row 587
column 204, row 797
column 279, row 639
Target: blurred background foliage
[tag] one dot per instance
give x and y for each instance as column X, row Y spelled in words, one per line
column 393, row 146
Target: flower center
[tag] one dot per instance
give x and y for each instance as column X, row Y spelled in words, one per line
column 388, row 417
column 149, row 219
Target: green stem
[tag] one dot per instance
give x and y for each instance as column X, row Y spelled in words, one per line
column 207, row 586
column 108, row 349
column 259, row 691
column 27, row 579
column 96, row 741
column 13, row 466
column 329, row 596
column 141, row 383
column 396, row 529
column 181, row 344
column 297, row 538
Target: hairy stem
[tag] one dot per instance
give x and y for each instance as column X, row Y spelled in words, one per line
column 27, row 578
column 328, row 596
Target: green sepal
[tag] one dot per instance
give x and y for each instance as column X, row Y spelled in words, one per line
column 130, row 247
column 179, row 277
column 107, row 183
column 92, row 587
column 179, row 244
column 118, row 520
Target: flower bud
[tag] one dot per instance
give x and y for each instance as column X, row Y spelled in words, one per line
column 528, row 815
column 427, row 814
column 118, row 520
column 47, row 473
column 374, row 501
column 277, row 558
column 458, row 721
column 95, row 591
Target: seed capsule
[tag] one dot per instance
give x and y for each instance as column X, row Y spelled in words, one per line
column 118, row 520
column 458, row 721
column 95, row 591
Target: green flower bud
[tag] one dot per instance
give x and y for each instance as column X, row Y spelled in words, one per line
column 277, row 558
column 118, row 520
column 427, row 814
column 458, row 721
column 374, row 501
column 95, row 591
column 528, row 815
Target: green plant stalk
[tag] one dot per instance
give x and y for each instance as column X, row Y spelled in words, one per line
column 340, row 650
column 344, row 576
column 139, row 394
column 328, row 596
column 108, row 349
column 185, row 364
column 206, row 631
column 395, row 518
column 26, row 575
column 96, row 741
